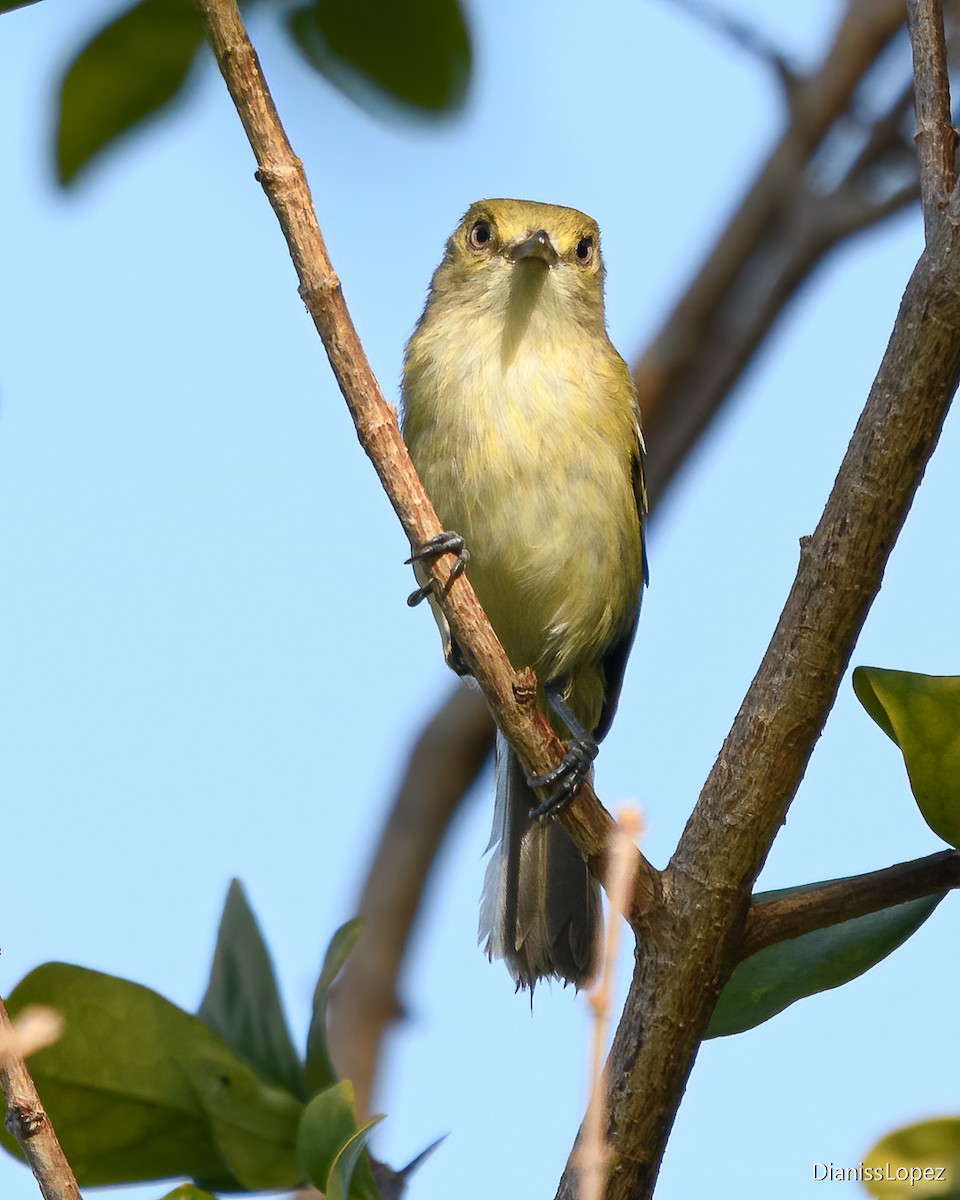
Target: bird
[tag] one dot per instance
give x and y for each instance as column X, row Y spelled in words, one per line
column 523, row 424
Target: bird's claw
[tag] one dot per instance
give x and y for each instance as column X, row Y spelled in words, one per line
column 446, row 542
column 566, row 779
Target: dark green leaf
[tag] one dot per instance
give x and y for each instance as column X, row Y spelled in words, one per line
column 137, row 1089
column 330, row 1145
column 379, row 52
column 129, row 70
column 188, row 1191
column 921, row 713
column 907, row 1162
column 242, row 1003
column 10, row 5
column 769, row 981
column 319, row 1069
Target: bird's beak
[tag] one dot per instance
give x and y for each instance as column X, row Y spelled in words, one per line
column 536, row 246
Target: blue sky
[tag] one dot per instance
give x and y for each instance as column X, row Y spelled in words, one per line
column 205, row 676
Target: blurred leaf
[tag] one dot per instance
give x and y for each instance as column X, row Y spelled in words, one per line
column 129, row 70
column 242, row 1004
column 769, row 981
column 908, row 1161
column 379, row 52
column 921, row 713
column 188, row 1191
column 137, row 1089
column 330, row 1145
column 10, row 5
column 319, row 1069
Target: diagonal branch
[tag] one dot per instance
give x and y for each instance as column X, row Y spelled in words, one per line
column 508, row 693
column 770, row 245
column 28, row 1122
column 936, row 137
column 823, row 904
column 445, row 761
column 759, row 768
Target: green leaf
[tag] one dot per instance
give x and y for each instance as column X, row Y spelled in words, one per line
column 348, row 1177
column 906, row 1162
column 769, row 981
column 10, row 5
column 137, row 1089
column 130, row 69
column 242, row 1004
column 921, row 713
column 188, row 1191
column 379, row 52
column 319, row 1069
column 330, row 1145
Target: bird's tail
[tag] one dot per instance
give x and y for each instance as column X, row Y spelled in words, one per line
column 541, row 906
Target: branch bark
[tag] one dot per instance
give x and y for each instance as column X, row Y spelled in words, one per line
column 824, row 904
column 28, row 1122
column 936, row 137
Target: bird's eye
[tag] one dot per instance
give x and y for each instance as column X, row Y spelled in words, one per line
column 480, row 235
column 585, row 251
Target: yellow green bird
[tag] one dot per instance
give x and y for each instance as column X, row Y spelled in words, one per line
column 522, row 421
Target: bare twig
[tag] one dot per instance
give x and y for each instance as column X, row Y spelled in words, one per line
column 508, row 693
column 444, row 763
column 29, row 1123
column 592, row 1155
column 936, row 137
column 824, row 904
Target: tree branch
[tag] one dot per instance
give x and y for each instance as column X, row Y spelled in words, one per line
column 444, row 763
column 508, row 693
column 936, row 137
column 746, row 796
column 29, row 1123
column 769, row 246
column 824, row 904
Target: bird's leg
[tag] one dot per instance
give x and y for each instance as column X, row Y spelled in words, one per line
column 565, row 780
column 446, row 542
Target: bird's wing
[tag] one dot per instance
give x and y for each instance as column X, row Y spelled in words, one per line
column 615, row 660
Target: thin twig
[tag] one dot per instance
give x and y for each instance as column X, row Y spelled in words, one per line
column 592, row 1154
column 936, row 137
column 508, row 693
column 30, row 1125
column 824, row 904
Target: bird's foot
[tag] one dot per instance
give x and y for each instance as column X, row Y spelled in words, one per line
column 446, row 542
column 566, row 779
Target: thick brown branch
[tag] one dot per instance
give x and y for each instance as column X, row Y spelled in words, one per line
column 936, row 137
column 444, row 763
column 823, row 904
column 30, row 1125
column 281, row 174
column 745, row 798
